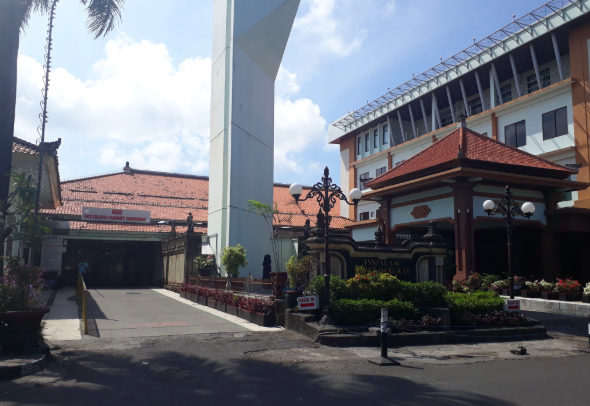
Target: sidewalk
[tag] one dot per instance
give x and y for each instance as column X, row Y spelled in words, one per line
column 62, row 322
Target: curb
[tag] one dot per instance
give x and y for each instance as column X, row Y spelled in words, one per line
column 27, row 368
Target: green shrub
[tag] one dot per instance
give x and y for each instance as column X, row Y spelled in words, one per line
column 363, row 311
column 371, row 285
column 423, row 293
column 474, row 303
column 338, row 289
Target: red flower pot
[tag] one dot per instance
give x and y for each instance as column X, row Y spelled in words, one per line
column 28, row 321
column 549, row 295
column 212, row 303
column 506, row 292
column 570, row 297
column 202, row 300
column 530, row 293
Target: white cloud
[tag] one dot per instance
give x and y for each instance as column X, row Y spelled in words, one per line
column 143, row 108
column 321, row 22
column 299, row 125
column 390, row 7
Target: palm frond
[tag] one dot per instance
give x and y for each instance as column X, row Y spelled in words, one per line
column 103, row 15
column 29, row 6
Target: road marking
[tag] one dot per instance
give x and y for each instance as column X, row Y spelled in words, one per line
column 220, row 314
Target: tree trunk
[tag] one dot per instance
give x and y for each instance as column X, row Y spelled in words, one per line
column 10, row 20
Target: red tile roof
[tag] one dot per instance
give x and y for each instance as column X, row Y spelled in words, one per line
column 474, row 147
column 168, row 197
column 25, row 147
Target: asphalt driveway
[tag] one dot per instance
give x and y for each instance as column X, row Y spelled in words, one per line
column 123, row 313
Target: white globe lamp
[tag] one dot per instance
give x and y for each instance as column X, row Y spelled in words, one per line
column 296, row 189
column 355, row 195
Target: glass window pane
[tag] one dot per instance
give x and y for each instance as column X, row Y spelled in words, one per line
column 532, row 85
column 561, row 121
column 376, row 139
column 545, row 77
column 367, row 142
column 510, row 135
column 506, row 92
column 520, row 134
column 548, row 125
column 358, row 146
column 385, row 134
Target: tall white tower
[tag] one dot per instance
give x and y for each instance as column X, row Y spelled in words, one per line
column 249, row 39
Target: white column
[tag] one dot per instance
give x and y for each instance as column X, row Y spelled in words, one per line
column 435, row 100
column 515, row 73
column 249, row 39
column 536, row 66
column 557, row 57
column 433, row 110
column 450, row 103
column 391, row 139
column 424, row 116
column 412, row 119
column 497, row 82
column 401, row 126
column 464, row 98
column 480, row 90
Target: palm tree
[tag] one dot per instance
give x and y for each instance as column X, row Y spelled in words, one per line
column 103, row 15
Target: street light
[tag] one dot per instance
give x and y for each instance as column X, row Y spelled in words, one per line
column 509, row 209
column 326, row 193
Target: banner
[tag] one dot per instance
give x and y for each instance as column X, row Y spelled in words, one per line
column 115, row 215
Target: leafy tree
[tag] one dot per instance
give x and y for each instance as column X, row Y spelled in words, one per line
column 234, row 258
column 103, row 15
column 266, row 211
column 20, row 206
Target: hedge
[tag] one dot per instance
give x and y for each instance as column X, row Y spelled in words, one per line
column 365, row 311
column 423, row 293
column 474, row 303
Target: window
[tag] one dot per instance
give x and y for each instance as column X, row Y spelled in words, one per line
column 506, row 93
column 372, row 214
column 381, row 171
column 533, row 86
column 362, row 178
column 364, row 216
column 367, row 142
column 358, row 146
column 475, row 106
column 555, row 123
column 446, row 120
column 515, row 134
column 385, row 134
column 376, row 138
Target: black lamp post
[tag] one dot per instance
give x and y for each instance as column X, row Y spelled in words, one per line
column 509, row 209
column 326, row 193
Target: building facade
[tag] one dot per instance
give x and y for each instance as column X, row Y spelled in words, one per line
column 525, row 86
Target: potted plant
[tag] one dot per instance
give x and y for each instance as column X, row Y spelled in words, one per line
column 548, row 290
column 20, row 308
column 568, row 289
column 533, row 289
column 501, row 286
column 203, row 264
column 233, row 258
column 586, row 295
column 298, row 272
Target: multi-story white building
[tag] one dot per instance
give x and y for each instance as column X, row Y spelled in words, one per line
column 525, row 85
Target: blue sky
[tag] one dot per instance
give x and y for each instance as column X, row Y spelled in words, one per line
column 142, row 94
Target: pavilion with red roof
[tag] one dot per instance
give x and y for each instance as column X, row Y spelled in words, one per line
column 449, row 181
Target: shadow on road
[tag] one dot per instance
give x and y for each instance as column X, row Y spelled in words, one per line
column 176, row 378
